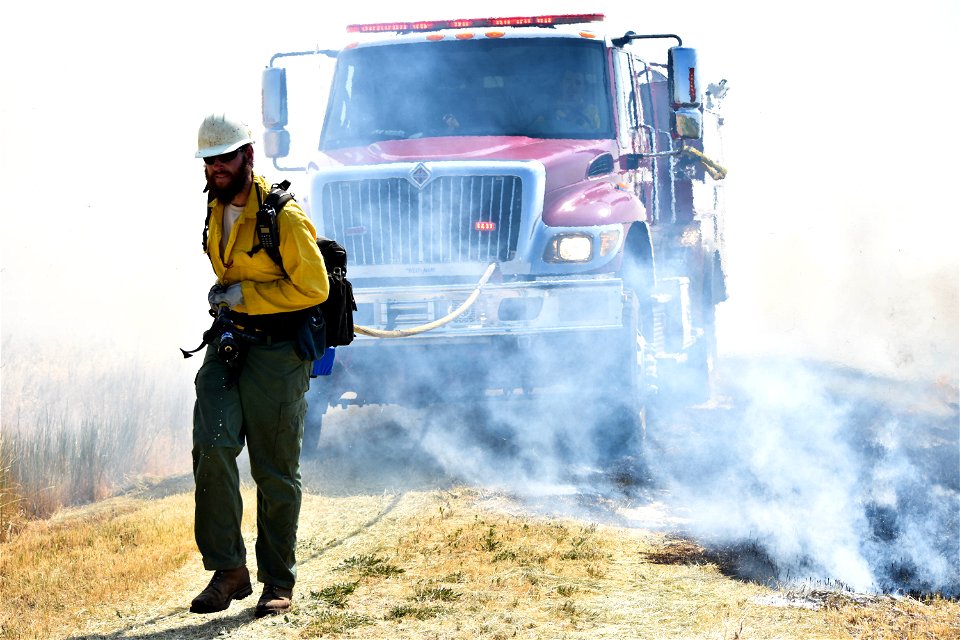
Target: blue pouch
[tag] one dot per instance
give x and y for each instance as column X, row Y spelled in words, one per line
column 324, row 366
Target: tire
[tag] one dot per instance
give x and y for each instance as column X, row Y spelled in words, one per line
column 629, row 426
column 699, row 370
column 625, row 428
column 698, row 375
column 691, row 382
column 688, row 382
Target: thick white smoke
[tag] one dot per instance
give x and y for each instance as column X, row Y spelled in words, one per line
column 796, row 472
column 827, row 471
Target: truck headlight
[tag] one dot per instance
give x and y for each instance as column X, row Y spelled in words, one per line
column 569, row 247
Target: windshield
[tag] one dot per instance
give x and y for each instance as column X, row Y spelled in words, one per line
column 536, row 87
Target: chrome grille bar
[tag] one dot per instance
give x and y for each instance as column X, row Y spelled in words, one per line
column 389, row 221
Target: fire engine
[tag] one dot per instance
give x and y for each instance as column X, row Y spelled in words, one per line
column 529, row 207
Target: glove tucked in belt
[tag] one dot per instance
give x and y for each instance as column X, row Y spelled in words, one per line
column 221, row 296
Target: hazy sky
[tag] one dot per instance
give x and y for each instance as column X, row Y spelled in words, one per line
column 840, row 141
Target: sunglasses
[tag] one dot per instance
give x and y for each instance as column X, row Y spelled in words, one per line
column 223, row 157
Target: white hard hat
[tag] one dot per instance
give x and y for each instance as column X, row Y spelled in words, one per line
column 220, row 133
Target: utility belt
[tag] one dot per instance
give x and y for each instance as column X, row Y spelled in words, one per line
column 233, row 333
column 268, row 328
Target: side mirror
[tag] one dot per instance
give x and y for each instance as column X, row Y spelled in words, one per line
column 687, row 124
column 684, row 77
column 684, row 81
column 273, row 102
column 276, row 143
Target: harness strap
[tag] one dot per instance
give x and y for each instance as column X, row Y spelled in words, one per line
column 189, row 354
column 206, row 221
column 268, row 231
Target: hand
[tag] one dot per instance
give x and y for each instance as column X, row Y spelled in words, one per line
column 221, row 296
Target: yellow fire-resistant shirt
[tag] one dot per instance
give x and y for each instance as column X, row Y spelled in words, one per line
column 265, row 290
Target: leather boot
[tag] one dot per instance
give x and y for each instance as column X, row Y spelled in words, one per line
column 275, row 600
column 226, row 585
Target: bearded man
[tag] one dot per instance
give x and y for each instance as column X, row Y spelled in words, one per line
column 252, row 392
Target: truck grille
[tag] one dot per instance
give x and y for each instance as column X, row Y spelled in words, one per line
column 453, row 219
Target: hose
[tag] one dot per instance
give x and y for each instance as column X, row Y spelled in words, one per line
column 716, row 171
column 402, row 333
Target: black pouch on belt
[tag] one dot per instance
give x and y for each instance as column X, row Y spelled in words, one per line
column 311, row 336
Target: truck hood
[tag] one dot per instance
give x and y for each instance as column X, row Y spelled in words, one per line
column 565, row 160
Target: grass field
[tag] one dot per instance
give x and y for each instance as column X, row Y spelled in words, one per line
column 393, row 543
column 447, row 563
column 77, row 426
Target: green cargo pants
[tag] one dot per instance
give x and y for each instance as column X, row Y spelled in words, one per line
column 265, row 408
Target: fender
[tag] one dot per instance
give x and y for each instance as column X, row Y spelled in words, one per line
column 592, row 203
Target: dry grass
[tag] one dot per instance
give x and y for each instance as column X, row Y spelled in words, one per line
column 55, row 570
column 77, row 424
column 10, row 495
column 897, row 618
column 433, row 565
column 468, row 565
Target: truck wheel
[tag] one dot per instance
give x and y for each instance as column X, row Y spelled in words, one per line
column 691, row 382
column 698, row 374
column 626, row 431
column 631, row 404
column 626, row 427
column 707, row 353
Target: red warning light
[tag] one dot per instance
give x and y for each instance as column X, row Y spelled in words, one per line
column 512, row 22
column 482, row 225
column 516, row 21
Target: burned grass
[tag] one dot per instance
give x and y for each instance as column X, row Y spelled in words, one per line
column 677, row 551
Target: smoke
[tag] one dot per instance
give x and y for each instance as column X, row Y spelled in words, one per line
column 796, row 472
column 834, row 474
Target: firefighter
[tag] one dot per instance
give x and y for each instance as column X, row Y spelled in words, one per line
column 252, row 392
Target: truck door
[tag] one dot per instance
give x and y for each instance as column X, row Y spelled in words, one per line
column 628, row 138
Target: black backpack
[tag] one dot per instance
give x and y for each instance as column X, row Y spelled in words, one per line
column 338, row 308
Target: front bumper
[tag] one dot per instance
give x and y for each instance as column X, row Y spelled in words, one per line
column 502, row 309
column 523, row 335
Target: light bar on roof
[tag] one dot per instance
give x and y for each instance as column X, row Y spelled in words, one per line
column 462, row 23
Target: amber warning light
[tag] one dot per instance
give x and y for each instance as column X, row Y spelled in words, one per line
column 464, row 23
column 480, row 225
